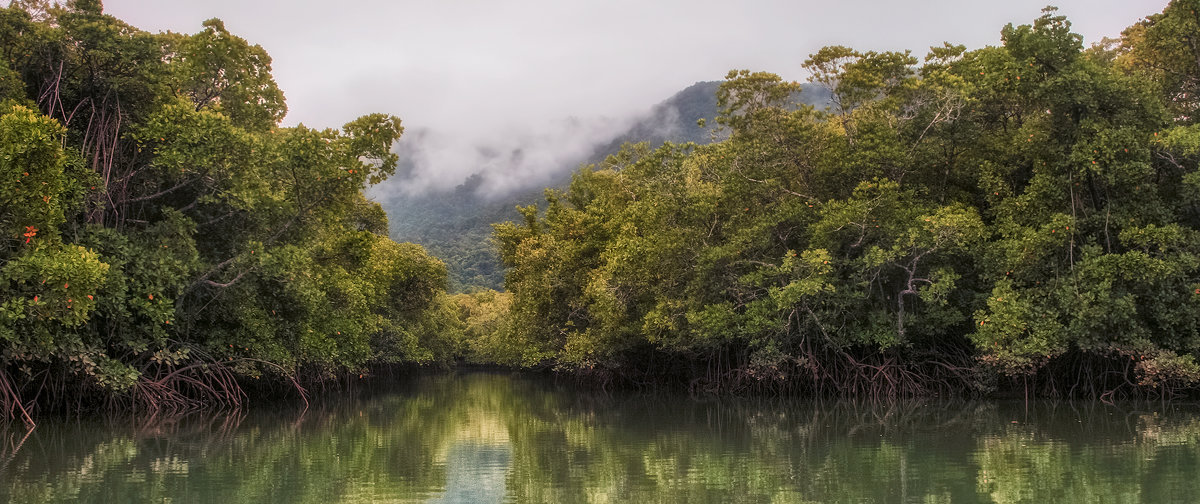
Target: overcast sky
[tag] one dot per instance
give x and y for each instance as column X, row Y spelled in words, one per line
column 487, row 69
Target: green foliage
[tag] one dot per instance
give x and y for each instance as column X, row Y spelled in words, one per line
column 31, row 176
column 1005, row 211
column 484, row 317
column 220, row 71
column 191, row 232
column 1163, row 47
column 456, row 226
column 48, row 288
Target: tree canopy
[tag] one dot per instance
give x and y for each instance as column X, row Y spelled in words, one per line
column 164, row 240
column 1022, row 214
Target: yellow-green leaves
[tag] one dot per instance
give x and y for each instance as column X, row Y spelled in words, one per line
column 858, row 78
column 1159, row 47
column 31, row 177
column 746, row 95
column 1019, row 332
column 220, row 71
column 57, row 284
column 371, row 138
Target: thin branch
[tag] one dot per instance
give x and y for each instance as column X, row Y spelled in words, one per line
column 162, row 192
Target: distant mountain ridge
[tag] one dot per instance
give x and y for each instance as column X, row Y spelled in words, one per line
column 456, row 225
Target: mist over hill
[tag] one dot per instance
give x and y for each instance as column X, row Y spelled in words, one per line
column 446, row 196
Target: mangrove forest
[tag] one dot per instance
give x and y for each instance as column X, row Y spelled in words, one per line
column 1020, row 219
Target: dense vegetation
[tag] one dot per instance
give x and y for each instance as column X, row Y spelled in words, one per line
column 1022, row 216
column 456, row 226
column 164, row 241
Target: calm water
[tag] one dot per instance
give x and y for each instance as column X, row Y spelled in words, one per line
column 488, row 437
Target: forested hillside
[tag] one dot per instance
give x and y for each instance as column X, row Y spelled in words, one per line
column 457, row 226
column 164, row 240
column 1015, row 217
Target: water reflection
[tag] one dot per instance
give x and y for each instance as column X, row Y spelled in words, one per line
column 488, row 437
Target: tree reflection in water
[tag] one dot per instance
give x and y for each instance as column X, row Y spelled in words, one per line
column 491, row 437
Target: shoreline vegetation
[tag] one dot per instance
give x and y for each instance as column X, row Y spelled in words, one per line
column 1019, row 219
column 1015, row 220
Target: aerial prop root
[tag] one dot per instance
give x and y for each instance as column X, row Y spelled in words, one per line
column 10, row 401
column 199, row 385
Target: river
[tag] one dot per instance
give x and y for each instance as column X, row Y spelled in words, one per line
column 478, row 437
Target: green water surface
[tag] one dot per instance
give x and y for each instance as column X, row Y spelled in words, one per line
column 498, row 437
